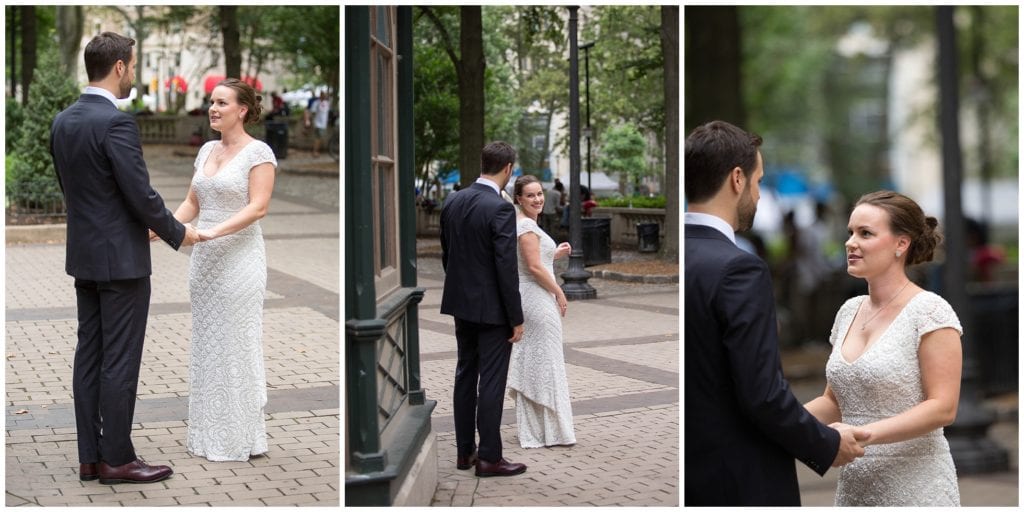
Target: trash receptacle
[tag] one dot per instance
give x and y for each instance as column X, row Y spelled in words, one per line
column 277, row 138
column 597, row 240
column 647, row 237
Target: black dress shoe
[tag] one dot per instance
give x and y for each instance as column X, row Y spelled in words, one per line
column 466, row 461
column 87, row 472
column 135, row 472
column 500, row 468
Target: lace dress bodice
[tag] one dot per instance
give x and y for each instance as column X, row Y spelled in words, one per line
column 884, row 381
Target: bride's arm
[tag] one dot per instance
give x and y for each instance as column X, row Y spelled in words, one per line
column 189, row 208
column 941, row 360
column 825, row 408
column 529, row 246
column 261, row 185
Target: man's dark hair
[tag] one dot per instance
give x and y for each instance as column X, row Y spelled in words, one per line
column 103, row 51
column 713, row 150
column 495, row 156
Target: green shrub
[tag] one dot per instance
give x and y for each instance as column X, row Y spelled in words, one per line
column 633, row 201
column 30, row 178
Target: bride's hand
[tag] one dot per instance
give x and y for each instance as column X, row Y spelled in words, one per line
column 153, row 236
column 563, row 250
column 563, row 304
column 205, row 234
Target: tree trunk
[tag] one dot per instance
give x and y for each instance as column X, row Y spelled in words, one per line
column 232, row 41
column 70, row 25
column 713, row 66
column 12, row 49
column 471, row 93
column 670, row 49
column 28, row 49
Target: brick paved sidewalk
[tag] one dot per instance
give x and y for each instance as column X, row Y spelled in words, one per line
column 300, row 352
column 622, row 358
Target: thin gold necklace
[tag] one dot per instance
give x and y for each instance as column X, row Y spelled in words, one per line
column 865, row 324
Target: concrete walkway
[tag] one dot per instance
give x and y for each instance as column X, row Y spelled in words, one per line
column 622, row 360
column 300, row 350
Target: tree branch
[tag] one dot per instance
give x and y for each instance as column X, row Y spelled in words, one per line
column 448, row 47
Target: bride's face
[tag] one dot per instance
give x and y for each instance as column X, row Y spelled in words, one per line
column 871, row 248
column 225, row 111
column 531, row 199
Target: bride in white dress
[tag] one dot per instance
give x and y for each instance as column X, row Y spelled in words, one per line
column 895, row 363
column 536, row 379
column 230, row 192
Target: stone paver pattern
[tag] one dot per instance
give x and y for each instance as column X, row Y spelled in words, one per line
column 622, row 362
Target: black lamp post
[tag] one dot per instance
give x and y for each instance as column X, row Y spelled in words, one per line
column 972, row 450
column 575, row 279
column 587, row 131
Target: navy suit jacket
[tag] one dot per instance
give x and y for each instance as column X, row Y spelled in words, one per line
column 480, row 259
column 97, row 154
column 743, row 426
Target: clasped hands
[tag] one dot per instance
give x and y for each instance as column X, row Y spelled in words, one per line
column 852, row 441
column 192, row 235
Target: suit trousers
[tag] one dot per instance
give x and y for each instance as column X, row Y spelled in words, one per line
column 111, row 329
column 484, row 354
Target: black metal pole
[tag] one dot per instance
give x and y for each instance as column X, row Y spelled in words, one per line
column 575, row 278
column 972, row 451
column 589, row 132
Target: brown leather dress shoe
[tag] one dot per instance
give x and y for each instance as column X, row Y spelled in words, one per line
column 87, row 472
column 500, row 468
column 466, row 461
column 135, row 472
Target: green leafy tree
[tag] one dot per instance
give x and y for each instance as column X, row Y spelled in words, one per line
column 30, row 178
column 436, row 107
column 622, row 154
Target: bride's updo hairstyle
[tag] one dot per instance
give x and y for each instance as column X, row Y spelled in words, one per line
column 247, row 97
column 907, row 218
column 522, row 182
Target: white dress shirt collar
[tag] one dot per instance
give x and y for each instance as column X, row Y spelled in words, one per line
column 99, row 91
column 489, row 183
column 704, row 219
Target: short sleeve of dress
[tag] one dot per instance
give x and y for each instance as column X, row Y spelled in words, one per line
column 526, row 225
column 260, row 154
column 934, row 314
column 844, row 315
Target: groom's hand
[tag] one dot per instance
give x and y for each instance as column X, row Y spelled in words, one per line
column 191, row 236
column 850, row 447
column 517, row 334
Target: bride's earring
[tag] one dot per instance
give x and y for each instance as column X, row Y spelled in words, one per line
column 898, row 253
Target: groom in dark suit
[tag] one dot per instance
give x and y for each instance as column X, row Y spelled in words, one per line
column 481, row 290
column 111, row 208
column 743, row 426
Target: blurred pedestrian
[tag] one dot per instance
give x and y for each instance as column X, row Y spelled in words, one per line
column 743, row 426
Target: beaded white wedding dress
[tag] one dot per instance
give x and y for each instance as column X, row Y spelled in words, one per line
column 227, row 280
column 883, row 382
column 536, row 379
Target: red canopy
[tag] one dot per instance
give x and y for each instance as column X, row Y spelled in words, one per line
column 177, row 82
column 211, row 81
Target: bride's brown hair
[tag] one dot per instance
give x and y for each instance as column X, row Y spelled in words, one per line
column 907, row 218
column 247, row 97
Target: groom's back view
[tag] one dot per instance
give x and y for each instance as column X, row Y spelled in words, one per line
column 110, row 204
column 481, row 290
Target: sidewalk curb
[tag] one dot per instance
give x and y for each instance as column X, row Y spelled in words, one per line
column 36, row 234
column 598, row 273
